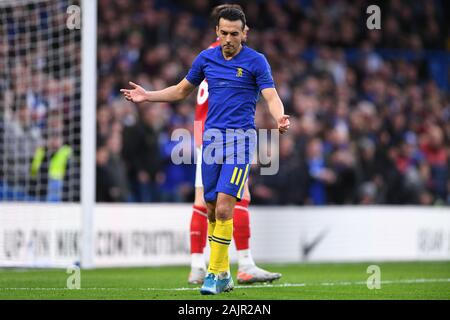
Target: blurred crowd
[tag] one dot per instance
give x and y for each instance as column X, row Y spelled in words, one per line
column 370, row 109
column 40, row 97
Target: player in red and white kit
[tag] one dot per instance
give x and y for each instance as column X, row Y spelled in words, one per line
column 248, row 272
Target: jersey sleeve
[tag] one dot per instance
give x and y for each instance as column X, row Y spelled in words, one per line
column 263, row 74
column 195, row 74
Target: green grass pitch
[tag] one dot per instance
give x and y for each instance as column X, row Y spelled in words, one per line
column 405, row 280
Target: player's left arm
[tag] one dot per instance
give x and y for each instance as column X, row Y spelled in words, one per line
column 276, row 108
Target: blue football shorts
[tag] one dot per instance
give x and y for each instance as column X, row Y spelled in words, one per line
column 226, row 162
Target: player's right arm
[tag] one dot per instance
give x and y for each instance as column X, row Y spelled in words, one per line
column 170, row 94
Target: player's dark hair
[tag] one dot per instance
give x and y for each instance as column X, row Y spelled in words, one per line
column 216, row 10
column 232, row 14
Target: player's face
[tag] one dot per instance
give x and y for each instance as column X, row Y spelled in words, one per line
column 231, row 35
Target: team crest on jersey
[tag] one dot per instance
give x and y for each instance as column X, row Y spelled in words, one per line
column 239, row 72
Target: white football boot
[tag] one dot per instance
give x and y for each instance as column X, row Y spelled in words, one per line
column 251, row 274
column 197, row 276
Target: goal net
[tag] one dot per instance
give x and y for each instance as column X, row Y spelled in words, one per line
column 40, row 102
column 45, row 215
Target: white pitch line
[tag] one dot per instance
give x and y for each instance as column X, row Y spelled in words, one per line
column 282, row 285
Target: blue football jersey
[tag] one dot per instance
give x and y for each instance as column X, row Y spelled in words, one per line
column 234, row 86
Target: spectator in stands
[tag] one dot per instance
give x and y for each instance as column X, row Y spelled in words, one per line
column 320, row 174
column 141, row 153
column 177, row 180
column 436, row 155
column 21, row 139
column 112, row 182
column 50, row 163
column 289, row 185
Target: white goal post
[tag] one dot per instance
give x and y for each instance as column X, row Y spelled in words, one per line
column 89, row 97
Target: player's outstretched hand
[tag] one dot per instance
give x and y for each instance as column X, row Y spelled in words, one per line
column 137, row 94
column 283, row 123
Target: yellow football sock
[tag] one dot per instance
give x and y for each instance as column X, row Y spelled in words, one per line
column 211, row 226
column 220, row 241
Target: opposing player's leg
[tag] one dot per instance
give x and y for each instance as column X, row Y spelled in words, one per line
column 198, row 228
column 248, row 272
column 198, row 234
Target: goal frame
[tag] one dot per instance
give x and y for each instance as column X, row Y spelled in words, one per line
column 88, row 127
